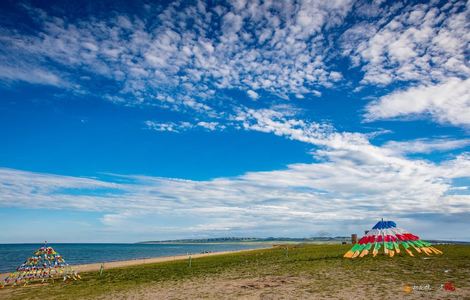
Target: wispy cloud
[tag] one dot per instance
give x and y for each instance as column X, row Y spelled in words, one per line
column 169, row 126
column 427, row 145
column 183, row 126
column 447, row 103
column 353, row 180
column 340, row 189
column 252, row 94
column 35, row 76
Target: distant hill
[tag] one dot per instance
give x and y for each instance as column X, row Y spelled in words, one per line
column 250, row 240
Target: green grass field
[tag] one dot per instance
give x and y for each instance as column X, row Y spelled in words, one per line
column 317, row 270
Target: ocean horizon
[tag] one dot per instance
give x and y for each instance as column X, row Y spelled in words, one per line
column 13, row 255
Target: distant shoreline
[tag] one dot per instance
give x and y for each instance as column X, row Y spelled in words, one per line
column 240, row 243
column 270, row 240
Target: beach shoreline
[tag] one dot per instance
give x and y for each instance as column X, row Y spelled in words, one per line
column 142, row 261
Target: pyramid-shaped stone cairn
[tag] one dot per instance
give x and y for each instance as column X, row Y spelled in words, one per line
column 385, row 237
column 45, row 265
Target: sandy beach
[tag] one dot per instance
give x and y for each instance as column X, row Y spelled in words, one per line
column 134, row 262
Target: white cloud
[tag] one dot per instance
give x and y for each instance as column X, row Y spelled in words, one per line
column 423, row 43
column 426, row 145
column 252, row 94
column 170, row 126
column 448, row 102
column 353, row 182
column 421, row 48
column 194, row 52
column 210, row 125
column 276, row 47
column 183, row 126
column 280, row 121
column 34, row 75
column 316, row 93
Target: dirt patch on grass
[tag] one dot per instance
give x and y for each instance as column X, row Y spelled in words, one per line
column 283, row 287
column 270, row 287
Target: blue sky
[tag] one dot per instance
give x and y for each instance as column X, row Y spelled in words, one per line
column 124, row 122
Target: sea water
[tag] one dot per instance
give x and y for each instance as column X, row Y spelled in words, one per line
column 13, row 255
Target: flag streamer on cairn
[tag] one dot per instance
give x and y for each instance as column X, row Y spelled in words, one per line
column 385, row 237
column 46, row 264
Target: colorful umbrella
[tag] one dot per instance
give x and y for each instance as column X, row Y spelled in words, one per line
column 45, row 264
column 386, row 237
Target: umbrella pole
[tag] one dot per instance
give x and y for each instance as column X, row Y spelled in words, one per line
column 383, row 237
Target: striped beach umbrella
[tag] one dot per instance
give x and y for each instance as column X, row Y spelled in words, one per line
column 385, row 237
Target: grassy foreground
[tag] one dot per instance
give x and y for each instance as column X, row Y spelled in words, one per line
column 316, row 271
